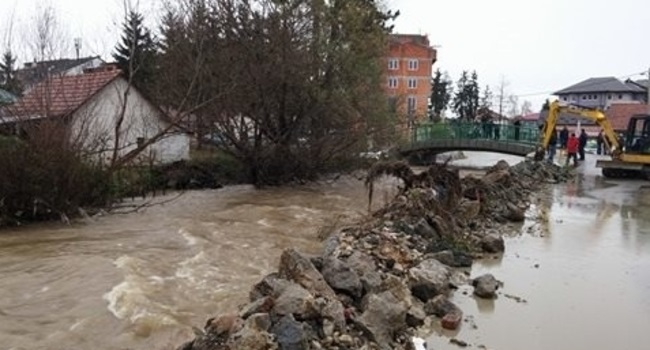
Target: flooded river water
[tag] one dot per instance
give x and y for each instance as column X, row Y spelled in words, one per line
column 140, row 281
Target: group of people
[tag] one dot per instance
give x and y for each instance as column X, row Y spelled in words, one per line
column 574, row 145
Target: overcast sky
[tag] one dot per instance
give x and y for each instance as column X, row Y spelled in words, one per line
column 538, row 46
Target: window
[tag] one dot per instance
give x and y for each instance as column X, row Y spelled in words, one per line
column 393, row 64
column 413, row 83
column 563, row 98
column 392, row 104
column 392, row 83
column 411, row 104
column 609, row 97
column 413, row 64
column 584, row 97
column 620, row 97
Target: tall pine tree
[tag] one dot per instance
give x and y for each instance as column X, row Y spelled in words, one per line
column 8, row 80
column 136, row 53
column 441, row 92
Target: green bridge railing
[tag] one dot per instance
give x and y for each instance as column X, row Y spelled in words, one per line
column 473, row 131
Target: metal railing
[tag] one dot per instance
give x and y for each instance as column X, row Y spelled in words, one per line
column 474, row 131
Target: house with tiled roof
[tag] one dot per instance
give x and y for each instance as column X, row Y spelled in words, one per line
column 602, row 92
column 102, row 111
column 619, row 115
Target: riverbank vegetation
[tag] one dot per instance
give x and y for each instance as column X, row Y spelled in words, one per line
column 284, row 91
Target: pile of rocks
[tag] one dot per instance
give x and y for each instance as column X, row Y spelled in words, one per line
column 378, row 281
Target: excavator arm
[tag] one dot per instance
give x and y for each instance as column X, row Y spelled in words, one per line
column 595, row 115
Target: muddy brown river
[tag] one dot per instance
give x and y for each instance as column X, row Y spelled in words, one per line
column 141, row 280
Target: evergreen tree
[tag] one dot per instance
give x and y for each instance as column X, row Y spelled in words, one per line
column 8, row 80
column 441, row 93
column 466, row 99
column 136, row 53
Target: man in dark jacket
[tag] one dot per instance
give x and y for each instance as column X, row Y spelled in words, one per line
column 564, row 137
column 583, row 143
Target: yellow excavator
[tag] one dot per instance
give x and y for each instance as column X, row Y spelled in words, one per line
column 630, row 153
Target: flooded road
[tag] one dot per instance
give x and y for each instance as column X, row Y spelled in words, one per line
column 584, row 281
column 140, row 281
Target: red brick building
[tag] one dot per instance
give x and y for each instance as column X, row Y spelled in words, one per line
column 408, row 70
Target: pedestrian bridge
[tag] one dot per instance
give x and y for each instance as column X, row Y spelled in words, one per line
column 430, row 139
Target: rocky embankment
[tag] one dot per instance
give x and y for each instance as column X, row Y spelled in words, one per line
column 377, row 281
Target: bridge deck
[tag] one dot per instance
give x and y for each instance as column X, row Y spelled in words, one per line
column 443, row 137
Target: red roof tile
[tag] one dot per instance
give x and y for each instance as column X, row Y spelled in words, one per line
column 59, row 96
column 619, row 114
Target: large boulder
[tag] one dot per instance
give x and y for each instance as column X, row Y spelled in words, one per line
column 299, row 268
column 261, row 305
column 331, row 310
column 493, row 243
column 364, row 266
column 290, row 334
column 452, row 258
column 254, row 335
column 428, row 279
column 485, row 286
column 422, row 228
column 340, row 276
column 440, row 306
column 271, row 285
column 295, row 300
column 383, row 317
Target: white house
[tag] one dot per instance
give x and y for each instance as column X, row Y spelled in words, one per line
column 104, row 116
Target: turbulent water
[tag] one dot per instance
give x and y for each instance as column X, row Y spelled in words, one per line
column 141, row 280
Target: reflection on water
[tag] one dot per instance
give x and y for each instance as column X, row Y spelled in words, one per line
column 586, row 282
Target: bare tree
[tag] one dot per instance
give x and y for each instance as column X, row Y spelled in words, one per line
column 48, row 39
column 501, row 95
column 526, row 107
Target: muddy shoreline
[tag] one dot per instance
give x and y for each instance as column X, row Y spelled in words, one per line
column 378, row 281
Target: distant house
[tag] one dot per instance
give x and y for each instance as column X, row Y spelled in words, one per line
column 604, row 91
column 531, row 119
column 619, row 114
column 90, row 105
column 488, row 114
column 35, row 72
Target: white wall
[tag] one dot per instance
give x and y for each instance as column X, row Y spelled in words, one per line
column 95, row 122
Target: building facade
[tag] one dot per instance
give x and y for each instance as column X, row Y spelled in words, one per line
column 603, row 92
column 408, row 71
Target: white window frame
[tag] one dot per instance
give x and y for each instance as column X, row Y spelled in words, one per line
column 393, row 82
column 412, row 83
column 413, row 64
column 393, row 64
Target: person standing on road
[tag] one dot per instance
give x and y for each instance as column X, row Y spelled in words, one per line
column 582, row 144
column 564, row 137
column 599, row 143
column 572, row 149
column 517, row 128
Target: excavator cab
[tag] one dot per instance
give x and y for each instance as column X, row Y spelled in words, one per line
column 637, row 136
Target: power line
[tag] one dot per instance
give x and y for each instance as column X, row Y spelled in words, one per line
column 585, row 86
